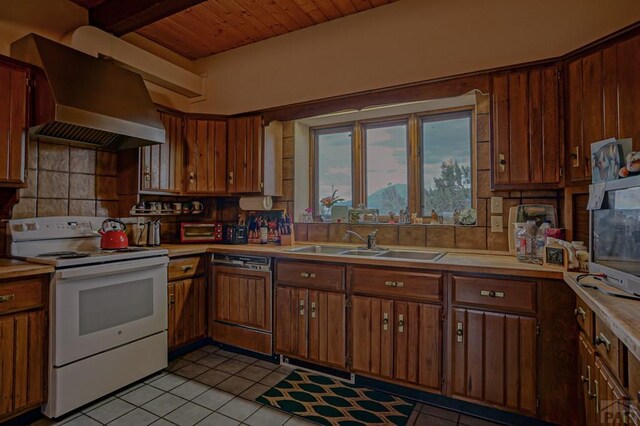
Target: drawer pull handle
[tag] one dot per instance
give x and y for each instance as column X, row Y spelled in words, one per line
column 313, row 309
column 575, row 156
column 588, row 381
column 172, row 300
column 385, row 321
column 491, row 293
column 7, row 298
column 394, row 283
column 596, row 394
column 460, row 333
column 301, row 307
column 602, row 340
column 400, row 323
column 230, row 178
column 186, row 268
column 307, row 275
column 502, row 162
column 579, row 312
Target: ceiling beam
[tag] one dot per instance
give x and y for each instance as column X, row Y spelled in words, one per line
column 124, row 16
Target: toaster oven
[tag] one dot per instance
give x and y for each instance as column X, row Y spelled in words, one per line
column 200, row 232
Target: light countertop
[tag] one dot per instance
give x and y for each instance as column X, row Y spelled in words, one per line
column 622, row 316
column 455, row 259
column 13, row 268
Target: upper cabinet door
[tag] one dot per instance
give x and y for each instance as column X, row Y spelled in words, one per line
column 526, row 129
column 245, row 155
column 161, row 165
column 206, row 142
column 13, row 123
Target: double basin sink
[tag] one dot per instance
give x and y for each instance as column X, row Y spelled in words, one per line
column 379, row 253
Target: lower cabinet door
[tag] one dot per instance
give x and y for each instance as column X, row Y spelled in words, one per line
column 327, row 328
column 187, row 311
column 586, row 359
column 372, row 326
column 291, row 321
column 494, row 358
column 418, row 343
column 611, row 401
column 22, row 356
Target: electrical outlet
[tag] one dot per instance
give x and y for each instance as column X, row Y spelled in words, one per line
column 496, row 205
column 496, row 224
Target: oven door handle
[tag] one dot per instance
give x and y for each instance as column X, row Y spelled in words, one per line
column 112, row 268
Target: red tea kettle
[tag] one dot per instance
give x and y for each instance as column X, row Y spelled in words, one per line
column 113, row 235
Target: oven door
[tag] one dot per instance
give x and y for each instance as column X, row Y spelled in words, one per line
column 100, row 307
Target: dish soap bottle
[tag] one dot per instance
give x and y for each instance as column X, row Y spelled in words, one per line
column 264, row 232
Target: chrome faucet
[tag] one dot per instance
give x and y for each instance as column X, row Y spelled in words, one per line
column 370, row 240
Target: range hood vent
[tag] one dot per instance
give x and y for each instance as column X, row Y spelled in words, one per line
column 82, row 100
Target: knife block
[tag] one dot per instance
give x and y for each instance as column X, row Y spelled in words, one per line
column 288, row 240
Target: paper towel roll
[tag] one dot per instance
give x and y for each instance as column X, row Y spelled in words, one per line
column 256, row 203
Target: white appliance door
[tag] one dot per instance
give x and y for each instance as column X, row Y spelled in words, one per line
column 99, row 307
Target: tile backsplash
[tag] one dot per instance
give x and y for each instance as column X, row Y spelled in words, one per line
column 66, row 180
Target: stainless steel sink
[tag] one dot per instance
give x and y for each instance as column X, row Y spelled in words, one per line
column 361, row 252
column 410, row 254
column 319, row 249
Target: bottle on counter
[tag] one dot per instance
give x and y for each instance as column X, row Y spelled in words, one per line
column 525, row 243
column 541, row 239
column 264, row 232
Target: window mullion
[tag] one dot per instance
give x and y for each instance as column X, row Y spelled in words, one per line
column 414, row 169
column 360, row 166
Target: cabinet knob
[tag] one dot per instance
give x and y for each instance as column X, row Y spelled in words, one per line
column 230, row 178
column 307, row 275
column 301, row 307
column 575, row 156
column 400, row 323
column 492, row 293
column 147, row 174
column 192, row 176
column 460, row 332
column 385, row 321
column 394, row 283
column 601, row 339
column 172, row 300
column 502, row 162
column 579, row 312
column 313, row 309
column 186, row 268
column 7, row 298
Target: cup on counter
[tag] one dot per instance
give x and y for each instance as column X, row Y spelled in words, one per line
column 177, row 207
column 197, row 206
column 186, row 207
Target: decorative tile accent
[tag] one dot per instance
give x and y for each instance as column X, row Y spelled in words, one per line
column 53, row 184
column 82, row 186
column 53, row 157
column 82, row 160
column 52, row 207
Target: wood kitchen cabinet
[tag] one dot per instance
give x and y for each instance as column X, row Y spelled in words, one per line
column 527, row 137
column 206, row 156
column 254, row 156
column 493, row 346
column 161, row 165
column 397, row 340
column 23, row 345
column 310, row 324
column 14, row 121
column 187, row 300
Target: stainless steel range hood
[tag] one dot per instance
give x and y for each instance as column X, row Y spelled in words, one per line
column 83, row 100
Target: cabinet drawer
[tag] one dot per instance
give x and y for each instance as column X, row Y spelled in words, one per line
column 608, row 346
column 397, row 284
column 21, row 295
column 633, row 371
column 495, row 293
column 584, row 317
column 184, row 267
column 312, row 275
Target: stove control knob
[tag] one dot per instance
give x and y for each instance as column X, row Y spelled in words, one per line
column 20, row 227
column 33, row 226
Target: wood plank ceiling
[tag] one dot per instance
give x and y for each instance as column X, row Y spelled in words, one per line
column 214, row 26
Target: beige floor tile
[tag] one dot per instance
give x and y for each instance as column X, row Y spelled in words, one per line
column 164, row 404
column 212, row 377
column 212, row 360
column 137, row 417
column 192, row 370
column 255, row 391
column 190, row 390
column 142, row 395
column 235, row 385
column 439, row 412
column 273, row 378
column 213, row 399
column 266, row 364
column 195, row 355
column 267, row 416
column 110, row 411
column 187, row 415
column 232, row 366
column 217, row 419
column 239, row 409
column 253, row 372
column 168, row 382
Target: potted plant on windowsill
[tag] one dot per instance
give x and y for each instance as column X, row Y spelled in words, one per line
column 327, row 203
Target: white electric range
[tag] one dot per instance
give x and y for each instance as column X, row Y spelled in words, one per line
column 108, row 308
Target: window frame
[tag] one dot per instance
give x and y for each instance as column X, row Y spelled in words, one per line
column 314, row 182
column 415, row 175
column 467, row 109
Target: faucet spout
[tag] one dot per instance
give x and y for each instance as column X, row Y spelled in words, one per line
column 370, row 240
